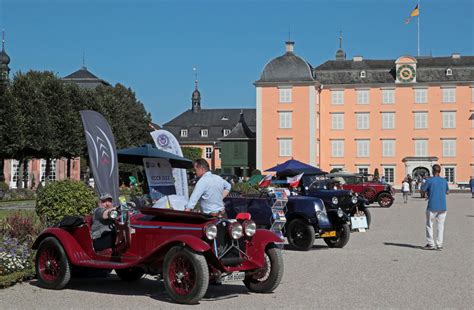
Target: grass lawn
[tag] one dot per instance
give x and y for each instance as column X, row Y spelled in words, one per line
column 19, row 203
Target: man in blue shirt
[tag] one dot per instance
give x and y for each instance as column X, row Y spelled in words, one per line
column 436, row 188
column 210, row 190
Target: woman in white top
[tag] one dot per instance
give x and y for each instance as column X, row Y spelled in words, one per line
column 405, row 190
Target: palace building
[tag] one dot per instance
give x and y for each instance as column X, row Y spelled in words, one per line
column 398, row 115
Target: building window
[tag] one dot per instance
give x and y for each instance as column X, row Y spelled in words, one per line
column 421, row 120
column 337, row 148
column 388, row 148
column 363, row 170
column 285, row 146
column 337, row 97
column 363, row 148
column 204, row 133
column 363, row 96
column 226, row 132
column 52, row 172
column 388, row 120
column 208, row 152
column 285, row 119
column 449, row 174
column 388, row 96
column 337, row 121
column 389, row 174
column 421, row 148
column 449, row 119
column 184, row 132
column 449, row 95
column 421, row 95
column 363, row 74
column 285, row 95
column 449, row 71
column 362, row 120
column 15, row 172
column 449, row 147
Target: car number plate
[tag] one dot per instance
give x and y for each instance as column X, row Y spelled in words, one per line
column 359, row 222
column 328, row 234
column 234, row 276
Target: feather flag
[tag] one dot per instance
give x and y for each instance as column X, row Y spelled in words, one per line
column 266, row 181
column 415, row 12
column 294, row 181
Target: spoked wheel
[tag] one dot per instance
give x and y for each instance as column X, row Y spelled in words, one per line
column 385, row 200
column 369, row 193
column 300, row 235
column 268, row 278
column 130, row 274
column 343, row 234
column 185, row 274
column 52, row 266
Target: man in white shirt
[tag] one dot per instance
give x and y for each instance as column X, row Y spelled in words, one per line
column 405, row 190
column 210, row 190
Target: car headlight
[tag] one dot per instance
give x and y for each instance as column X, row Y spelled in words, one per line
column 113, row 214
column 210, row 231
column 334, row 200
column 236, row 230
column 340, row 213
column 354, row 199
column 318, row 207
column 250, row 228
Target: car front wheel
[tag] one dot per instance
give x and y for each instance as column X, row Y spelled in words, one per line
column 268, row 278
column 300, row 235
column 385, row 200
column 52, row 266
column 185, row 274
column 343, row 234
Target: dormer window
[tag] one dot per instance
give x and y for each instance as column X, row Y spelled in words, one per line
column 226, row 132
column 184, row 132
column 204, row 133
column 363, row 74
column 449, row 71
column 224, row 118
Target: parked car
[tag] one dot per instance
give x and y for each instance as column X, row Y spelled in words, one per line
column 306, row 218
column 373, row 191
column 187, row 249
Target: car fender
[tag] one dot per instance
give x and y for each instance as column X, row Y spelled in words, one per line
column 257, row 245
column 332, row 214
column 73, row 249
column 194, row 243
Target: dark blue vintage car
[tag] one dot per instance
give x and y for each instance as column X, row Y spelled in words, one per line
column 306, row 218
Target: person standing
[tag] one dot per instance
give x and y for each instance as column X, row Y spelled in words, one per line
column 405, row 190
column 471, row 185
column 436, row 189
column 210, row 190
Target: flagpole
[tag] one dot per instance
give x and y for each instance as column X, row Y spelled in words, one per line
column 418, row 28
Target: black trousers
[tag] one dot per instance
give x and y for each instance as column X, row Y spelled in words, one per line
column 105, row 241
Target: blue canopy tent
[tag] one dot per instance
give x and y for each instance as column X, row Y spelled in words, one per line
column 294, row 167
column 135, row 156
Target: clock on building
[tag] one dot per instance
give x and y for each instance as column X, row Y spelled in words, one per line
column 406, row 73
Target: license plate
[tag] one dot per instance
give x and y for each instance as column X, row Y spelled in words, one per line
column 234, row 276
column 328, row 234
column 359, row 222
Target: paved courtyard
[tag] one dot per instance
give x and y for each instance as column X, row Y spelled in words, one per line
column 382, row 268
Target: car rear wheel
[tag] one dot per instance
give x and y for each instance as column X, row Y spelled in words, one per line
column 369, row 193
column 343, row 234
column 130, row 274
column 385, row 200
column 52, row 266
column 300, row 235
column 185, row 274
column 268, row 278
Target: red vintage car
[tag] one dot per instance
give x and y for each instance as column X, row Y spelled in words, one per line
column 364, row 185
column 187, row 250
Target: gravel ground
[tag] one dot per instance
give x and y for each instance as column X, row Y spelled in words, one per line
column 382, row 268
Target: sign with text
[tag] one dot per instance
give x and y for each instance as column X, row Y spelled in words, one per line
column 159, row 176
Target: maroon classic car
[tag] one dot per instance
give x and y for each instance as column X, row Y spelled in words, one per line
column 364, row 185
column 188, row 250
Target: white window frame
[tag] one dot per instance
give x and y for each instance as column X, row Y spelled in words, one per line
column 184, row 133
column 204, row 132
column 388, row 147
column 337, row 121
column 388, row 178
column 388, row 96
column 421, row 95
column 449, row 72
column 421, row 147
column 363, row 148
column 388, row 120
column 337, row 97
column 14, row 172
column 363, row 74
column 449, row 147
column 420, row 120
column 363, row 96
column 449, row 94
column 449, row 119
column 52, row 173
column 363, row 120
column 285, row 147
column 286, row 94
column 363, row 169
column 208, row 152
column 226, row 132
column 285, row 119
column 337, row 148
column 449, row 179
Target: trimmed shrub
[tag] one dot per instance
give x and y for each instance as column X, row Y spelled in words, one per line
column 58, row 199
column 3, row 189
column 245, row 188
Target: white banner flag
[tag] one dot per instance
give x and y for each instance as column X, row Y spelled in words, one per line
column 165, row 141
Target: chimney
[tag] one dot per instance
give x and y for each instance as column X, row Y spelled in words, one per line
column 456, row 56
column 290, row 45
column 357, row 58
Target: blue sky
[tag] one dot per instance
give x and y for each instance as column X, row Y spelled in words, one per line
column 152, row 46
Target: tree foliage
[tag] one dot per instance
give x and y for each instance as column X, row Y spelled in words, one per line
column 192, row 153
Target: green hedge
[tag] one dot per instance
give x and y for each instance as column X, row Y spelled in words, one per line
column 15, row 277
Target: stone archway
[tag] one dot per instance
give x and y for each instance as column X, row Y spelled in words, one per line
column 420, row 172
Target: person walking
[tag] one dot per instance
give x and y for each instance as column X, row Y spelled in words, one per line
column 405, row 190
column 436, row 189
column 471, row 185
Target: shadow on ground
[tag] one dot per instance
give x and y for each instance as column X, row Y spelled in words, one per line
column 404, row 245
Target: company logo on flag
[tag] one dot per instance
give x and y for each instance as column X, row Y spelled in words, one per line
column 266, row 181
column 294, row 181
